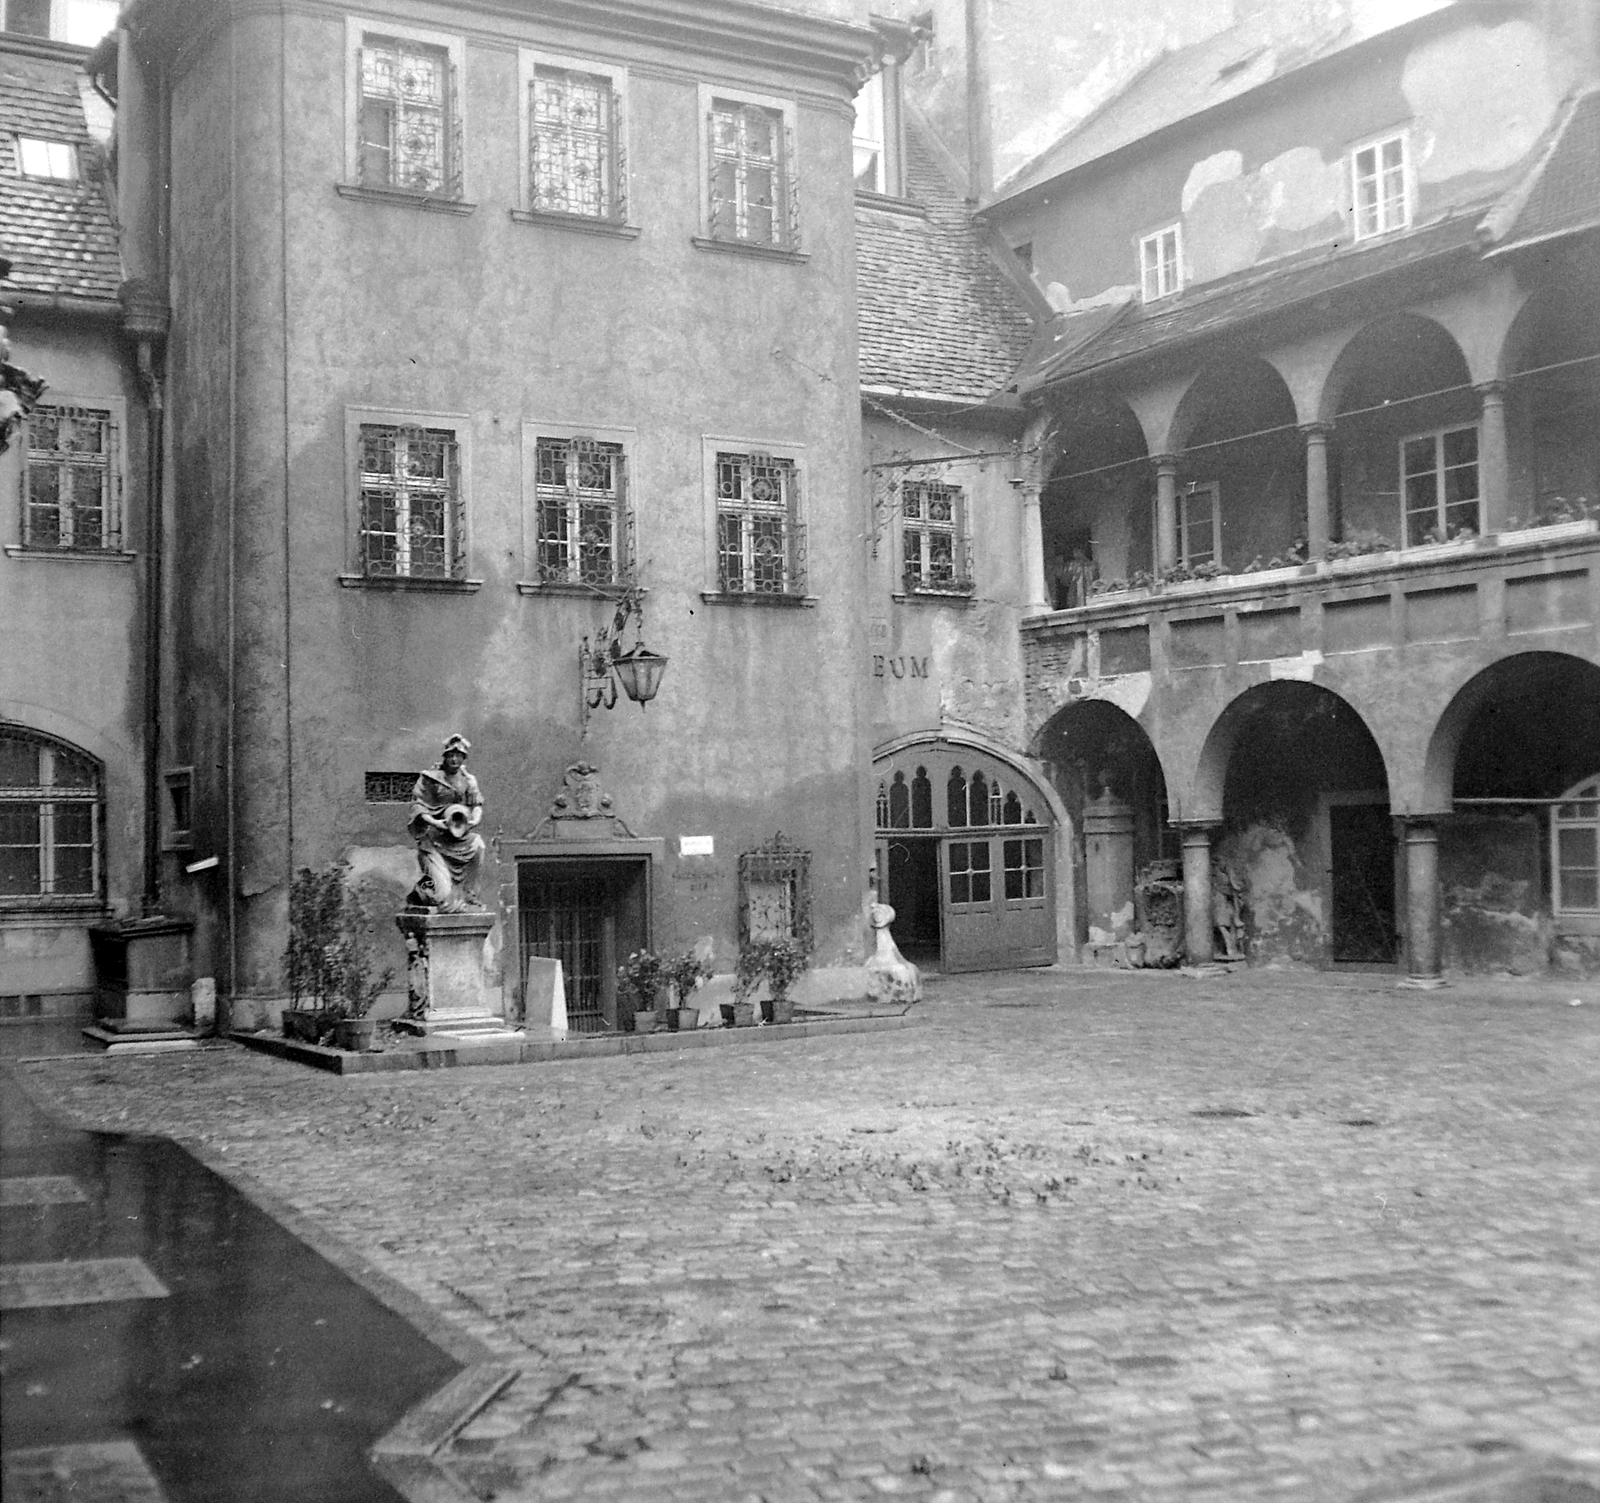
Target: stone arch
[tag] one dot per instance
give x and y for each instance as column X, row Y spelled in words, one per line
column 1547, row 705
column 1023, row 773
column 1389, row 360
column 1090, row 517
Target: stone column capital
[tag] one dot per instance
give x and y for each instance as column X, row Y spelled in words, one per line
column 1318, row 431
column 1491, row 391
column 1167, row 462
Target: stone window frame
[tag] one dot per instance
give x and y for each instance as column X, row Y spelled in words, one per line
column 1442, row 506
column 1375, row 144
column 1162, row 290
column 794, row 455
column 355, row 574
column 47, row 796
column 786, row 243
column 626, row 440
column 615, row 222
column 112, row 547
column 1572, row 920
column 452, row 197
column 915, row 581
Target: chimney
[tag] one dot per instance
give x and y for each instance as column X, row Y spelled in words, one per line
column 980, row 149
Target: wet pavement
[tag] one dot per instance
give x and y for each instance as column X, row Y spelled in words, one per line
column 163, row 1337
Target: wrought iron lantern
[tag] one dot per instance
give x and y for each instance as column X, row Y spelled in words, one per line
column 604, row 665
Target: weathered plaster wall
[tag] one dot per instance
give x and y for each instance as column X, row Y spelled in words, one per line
column 1256, row 186
column 1493, row 914
column 945, row 665
column 349, row 303
column 74, row 656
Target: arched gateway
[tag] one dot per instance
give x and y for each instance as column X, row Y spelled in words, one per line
column 966, row 852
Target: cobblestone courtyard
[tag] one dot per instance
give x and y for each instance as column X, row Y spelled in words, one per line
column 1076, row 1236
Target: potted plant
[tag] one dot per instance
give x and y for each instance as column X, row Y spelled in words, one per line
column 329, row 961
column 747, row 978
column 686, row 972
column 786, row 964
column 640, row 980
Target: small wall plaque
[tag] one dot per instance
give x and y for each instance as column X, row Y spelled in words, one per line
column 697, row 845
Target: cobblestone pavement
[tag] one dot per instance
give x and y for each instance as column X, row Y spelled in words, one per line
column 1078, row 1236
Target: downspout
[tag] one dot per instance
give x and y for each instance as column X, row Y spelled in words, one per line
column 231, row 874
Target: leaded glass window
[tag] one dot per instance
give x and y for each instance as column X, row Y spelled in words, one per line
column 1439, row 485
column 574, row 145
column 581, row 494
column 412, row 521
column 70, row 485
column 934, row 539
column 51, row 830
column 759, row 536
column 752, row 180
column 406, row 118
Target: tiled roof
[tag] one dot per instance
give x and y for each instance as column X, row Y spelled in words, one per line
column 1218, row 306
column 1562, row 193
column 1183, row 83
column 59, row 235
column 937, row 315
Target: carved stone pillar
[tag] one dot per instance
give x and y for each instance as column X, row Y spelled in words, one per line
column 1422, row 905
column 1036, row 602
column 1494, row 466
column 1166, row 510
column 1197, row 942
column 1317, row 503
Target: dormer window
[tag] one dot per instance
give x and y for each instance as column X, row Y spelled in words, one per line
column 1380, row 187
column 870, row 163
column 56, row 160
column 1161, row 264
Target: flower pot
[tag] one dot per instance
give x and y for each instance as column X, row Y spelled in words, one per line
column 744, row 1015
column 727, row 1013
column 782, row 1010
column 309, row 1025
column 358, row 1034
column 644, row 1022
column 687, row 1019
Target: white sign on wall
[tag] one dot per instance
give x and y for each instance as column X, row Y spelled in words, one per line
column 696, row 845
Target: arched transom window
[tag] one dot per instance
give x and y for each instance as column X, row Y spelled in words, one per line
column 51, row 829
column 952, row 788
column 1575, row 853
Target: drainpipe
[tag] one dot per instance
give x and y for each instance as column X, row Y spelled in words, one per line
column 145, row 321
column 980, row 152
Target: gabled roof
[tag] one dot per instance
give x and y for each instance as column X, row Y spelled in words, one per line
column 59, row 235
column 937, row 315
column 1176, row 86
column 1561, row 195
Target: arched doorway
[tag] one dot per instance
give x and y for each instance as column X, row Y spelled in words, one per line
column 966, row 857
column 1306, row 838
column 1115, row 793
column 1511, row 757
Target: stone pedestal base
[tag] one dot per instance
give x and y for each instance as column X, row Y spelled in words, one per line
column 448, row 990
column 143, row 969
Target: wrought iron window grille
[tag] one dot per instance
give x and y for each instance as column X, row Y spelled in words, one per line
column 408, row 120
column 389, row 787
column 577, row 155
column 52, row 824
column 585, row 524
column 71, row 491
column 754, row 192
column 761, row 541
column 936, row 552
column 775, row 893
column 413, row 523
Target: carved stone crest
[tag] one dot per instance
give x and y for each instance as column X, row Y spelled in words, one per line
column 581, row 795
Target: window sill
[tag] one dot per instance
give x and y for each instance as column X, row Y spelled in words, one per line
column 962, row 598
column 758, row 598
column 751, row 248
column 405, row 582
column 72, row 555
column 61, row 910
column 576, row 591
column 582, row 223
column 428, row 201
column 889, row 203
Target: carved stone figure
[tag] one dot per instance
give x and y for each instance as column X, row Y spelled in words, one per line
column 446, row 809
column 1227, row 910
column 581, row 795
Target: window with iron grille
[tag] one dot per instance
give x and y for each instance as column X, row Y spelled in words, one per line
column 412, row 509
column 753, row 198
column 407, row 116
column 760, row 539
column 583, row 520
column 389, row 787
column 71, row 489
column 775, row 894
column 1380, row 187
column 51, row 823
column 933, row 534
column 575, row 154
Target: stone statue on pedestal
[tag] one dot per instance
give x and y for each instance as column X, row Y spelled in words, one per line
column 446, row 809
column 890, row 976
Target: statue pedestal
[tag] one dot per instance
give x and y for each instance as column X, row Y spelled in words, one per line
column 445, row 979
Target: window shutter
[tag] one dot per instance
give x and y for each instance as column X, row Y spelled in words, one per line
column 791, row 187
column 455, row 177
column 797, row 535
column 623, row 566
column 619, row 162
column 715, row 201
column 456, row 511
